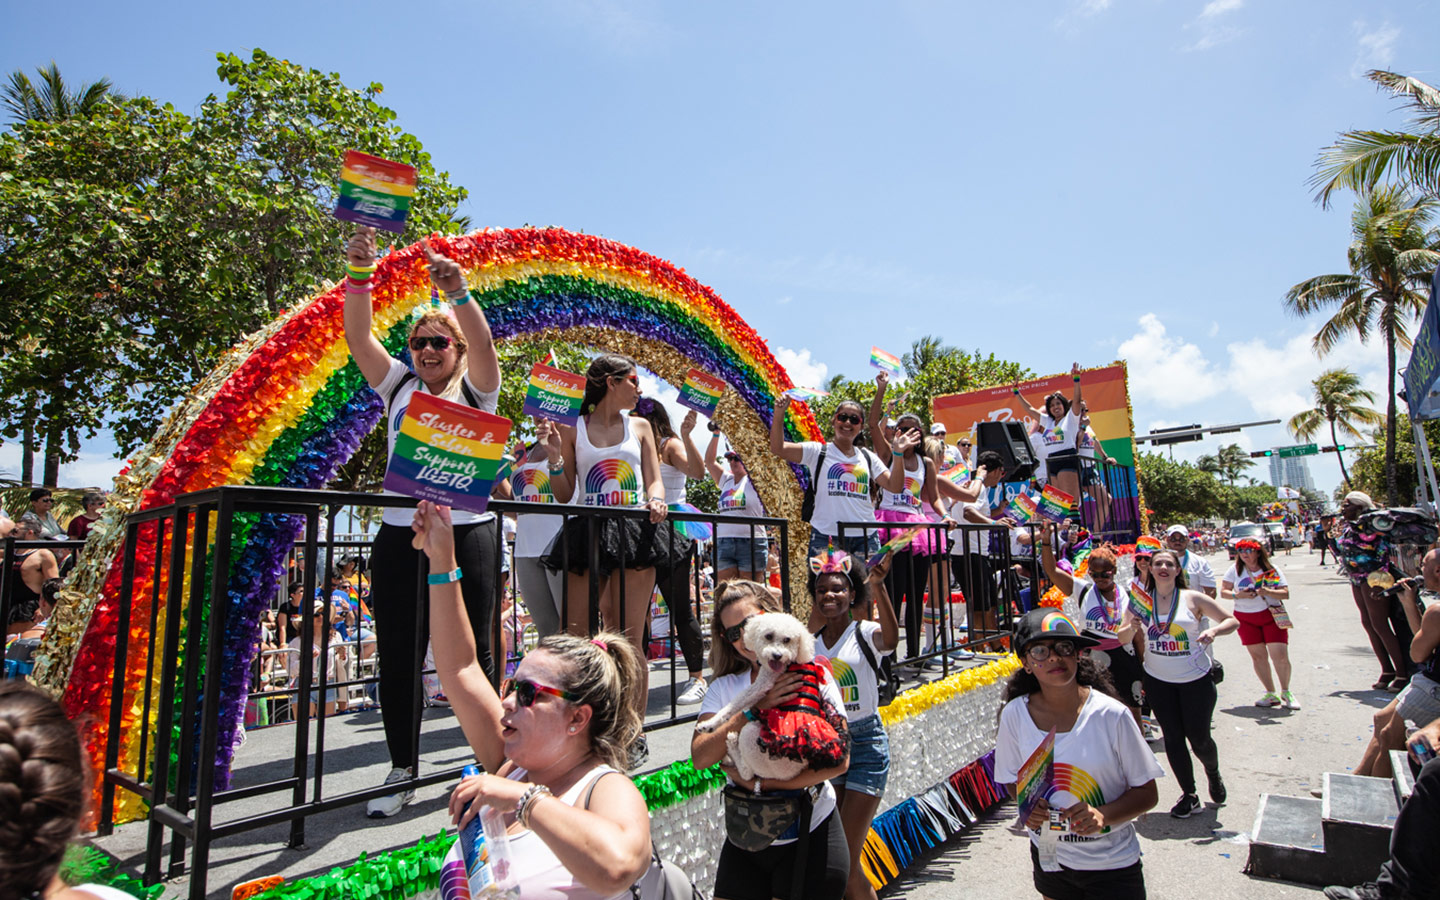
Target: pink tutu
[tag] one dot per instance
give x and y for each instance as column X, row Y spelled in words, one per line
column 924, row 543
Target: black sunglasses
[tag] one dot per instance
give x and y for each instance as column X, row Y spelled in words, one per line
column 438, row 341
column 1041, row 652
column 526, row 691
column 733, row 457
column 848, row 418
column 1102, row 573
column 737, row 631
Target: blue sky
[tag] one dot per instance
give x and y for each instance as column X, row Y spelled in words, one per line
column 1074, row 180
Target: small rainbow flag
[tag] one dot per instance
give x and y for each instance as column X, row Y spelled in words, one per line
column 1036, row 777
column 1055, row 504
column 1022, row 509
column 805, row 395
column 374, row 191
column 549, row 359
column 895, row 544
column 447, row 452
column 956, row 474
column 701, row 392
column 885, row 362
column 700, row 531
column 553, row 394
column 1270, row 580
column 1141, row 603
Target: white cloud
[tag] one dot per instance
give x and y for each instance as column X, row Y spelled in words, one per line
column 1277, row 380
column 1091, row 7
column 1211, row 27
column 616, row 26
column 1166, row 371
column 784, row 300
column 1376, row 48
column 804, row 370
column 1214, row 329
column 89, row 470
column 1220, row 7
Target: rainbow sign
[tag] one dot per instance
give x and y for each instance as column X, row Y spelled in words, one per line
column 374, row 191
column 1141, row 603
column 701, row 392
column 1036, row 778
column 447, row 452
column 1022, row 509
column 553, row 394
column 956, row 474
column 885, row 362
column 1055, row 504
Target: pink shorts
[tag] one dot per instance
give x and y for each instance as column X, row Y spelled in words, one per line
column 1260, row 628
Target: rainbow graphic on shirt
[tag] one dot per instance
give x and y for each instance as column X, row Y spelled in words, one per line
column 1076, row 782
column 626, row 491
column 701, row 392
column 848, row 478
column 532, row 486
column 846, row 681
column 1051, row 436
column 1171, row 641
column 1096, row 621
column 911, row 494
column 732, row 498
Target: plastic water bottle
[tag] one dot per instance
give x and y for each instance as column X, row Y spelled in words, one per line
column 485, row 847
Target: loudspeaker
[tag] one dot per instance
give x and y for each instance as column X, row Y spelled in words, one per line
column 1012, row 443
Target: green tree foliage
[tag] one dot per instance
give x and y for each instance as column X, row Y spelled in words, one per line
column 1178, row 491
column 1367, row 472
column 1340, row 402
column 138, row 244
column 703, row 494
column 1359, row 160
column 1392, row 255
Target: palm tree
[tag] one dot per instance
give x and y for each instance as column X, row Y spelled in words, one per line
column 924, row 352
column 1341, row 401
column 1232, row 461
column 51, row 100
column 1391, row 256
column 1359, row 159
column 1209, row 463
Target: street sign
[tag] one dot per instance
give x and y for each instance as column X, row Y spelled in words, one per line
column 1297, row 450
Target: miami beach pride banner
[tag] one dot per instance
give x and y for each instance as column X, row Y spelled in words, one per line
column 701, row 392
column 374, row 191
column 447, row 452
column 553, row 394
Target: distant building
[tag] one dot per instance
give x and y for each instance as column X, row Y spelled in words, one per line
column 1293, row 471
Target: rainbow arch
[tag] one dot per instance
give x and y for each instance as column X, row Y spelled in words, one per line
column 287, row 407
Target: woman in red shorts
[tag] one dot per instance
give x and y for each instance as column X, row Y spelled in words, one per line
column 1257, row 588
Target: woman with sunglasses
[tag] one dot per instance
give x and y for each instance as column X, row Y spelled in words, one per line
column 1057, row 430
column 839, row 585
column 841, row 473
column 553, row 747
column 1178, row 673
column 821, row 861
column 1096, row 850
column 609, row 460
column 1101, row 605
column 452, row 355
column 1256, row 587
column 741, row 551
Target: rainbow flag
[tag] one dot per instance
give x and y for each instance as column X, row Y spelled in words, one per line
column 549, row 359
column 701, row 392
column 805, row 395
column 700, row 531
column 447, row 452
column 1141, row 603
column 1037, row 777
column 553, row 394
column 1270, row 580
column 885, row 362
column 895, row 544
column 374, row 191
column 1022, row 509
column 1055, row 504
column 956, row 474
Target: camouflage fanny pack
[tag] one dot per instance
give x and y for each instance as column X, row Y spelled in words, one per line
column 755, row 821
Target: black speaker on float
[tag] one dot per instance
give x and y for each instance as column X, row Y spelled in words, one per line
column 1012, row 443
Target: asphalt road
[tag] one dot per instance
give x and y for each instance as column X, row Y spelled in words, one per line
column 1261, row 750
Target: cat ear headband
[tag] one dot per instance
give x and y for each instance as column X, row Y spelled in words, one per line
column 830, row 560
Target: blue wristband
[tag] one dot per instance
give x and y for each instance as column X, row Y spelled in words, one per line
column 445, row 578
column 459, row 297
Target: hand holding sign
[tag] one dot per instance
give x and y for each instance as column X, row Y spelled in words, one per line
column 553, row 394
column 701, row 392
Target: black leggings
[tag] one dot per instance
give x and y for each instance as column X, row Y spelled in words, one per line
column 674, row 584
column 909, row 575
column 1184, row 712
column 765, row 874
column 395, row 569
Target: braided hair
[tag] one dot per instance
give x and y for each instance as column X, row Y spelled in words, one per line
column 41, row 789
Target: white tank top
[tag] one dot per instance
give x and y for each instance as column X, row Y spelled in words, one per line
column 609, row 476
column 540, row 874
column 531, row 484
column 673, row 479
column 907, row 500
column 1173, row 654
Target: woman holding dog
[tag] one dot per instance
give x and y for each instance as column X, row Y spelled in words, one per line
column 1096, row 852
column 839, row 584
column 816, row 866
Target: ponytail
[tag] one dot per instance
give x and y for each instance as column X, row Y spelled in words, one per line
column 604, row 673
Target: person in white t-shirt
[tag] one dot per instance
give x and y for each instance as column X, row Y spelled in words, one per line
column 842, row 489
column 773, row 870
column 1257, row 588
column 1057, row 428
column 1198, row 574
column 741, row 551
column 839, row 585
column 1104, row 774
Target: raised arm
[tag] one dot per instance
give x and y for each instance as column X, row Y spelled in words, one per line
column 877, row 415
column 369, row 354
column 1058, row 577
column 889, row 637
column 1075, row 397
column 686, row 457
column 559, row 443
column 786, row 450
column 1019, row 397
column 482, row 365
column 712, row 452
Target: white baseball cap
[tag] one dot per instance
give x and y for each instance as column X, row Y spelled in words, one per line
column 937, row 428
column 1177, row 529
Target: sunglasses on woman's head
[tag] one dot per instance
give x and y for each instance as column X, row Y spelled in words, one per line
column 848, row 418
column 737, row 631
column 438, row 341
column 1041, row 652
column 527, row 690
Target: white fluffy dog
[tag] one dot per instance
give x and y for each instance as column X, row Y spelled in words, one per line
column 784, row 740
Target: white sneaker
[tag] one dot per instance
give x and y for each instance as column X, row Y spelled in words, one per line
column 1268, row 700
column 1287, row 700
column 389, row 805
column 694, row 692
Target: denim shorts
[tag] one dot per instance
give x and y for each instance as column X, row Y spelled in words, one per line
column 869, row 758
column 866, row 544
column 745, row 554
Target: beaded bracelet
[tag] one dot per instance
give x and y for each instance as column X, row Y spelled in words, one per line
column 522, row 806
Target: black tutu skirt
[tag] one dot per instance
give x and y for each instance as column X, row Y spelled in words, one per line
column 642, row 544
